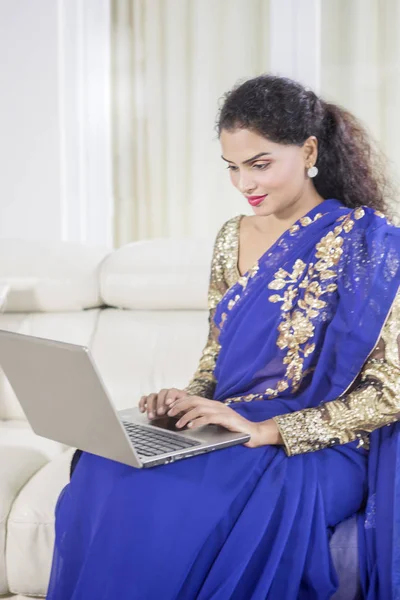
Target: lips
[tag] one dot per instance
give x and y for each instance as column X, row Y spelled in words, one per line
column 256, row 200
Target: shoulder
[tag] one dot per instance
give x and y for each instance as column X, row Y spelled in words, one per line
column 226, row 251
column 369, row 219
column 369, row 243
column 229, row 232
column 365, row 225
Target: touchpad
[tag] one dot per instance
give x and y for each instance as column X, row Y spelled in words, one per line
column 166, row 423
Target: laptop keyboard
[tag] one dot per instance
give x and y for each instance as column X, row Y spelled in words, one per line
column 152, row 442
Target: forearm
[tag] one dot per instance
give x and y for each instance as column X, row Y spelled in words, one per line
column 268, row 433
column 373, row 404
column 203, row 382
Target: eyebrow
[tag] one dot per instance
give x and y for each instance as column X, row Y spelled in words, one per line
column 249, row 160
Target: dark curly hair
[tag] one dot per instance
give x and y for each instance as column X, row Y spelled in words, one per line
column 350, row 167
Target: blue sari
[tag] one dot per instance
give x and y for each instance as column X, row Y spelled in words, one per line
column 245, row 523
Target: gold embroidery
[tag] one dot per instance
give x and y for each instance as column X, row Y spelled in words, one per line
column 372, row 404
column 348, row 226
column 282, row 277
column 203, row 382
column 232, row 302
column 223, row 275
column 329, row 249
column 304, row 222
column 244, row 279
column 224, row 262
column 391, row 332
column 296, row 328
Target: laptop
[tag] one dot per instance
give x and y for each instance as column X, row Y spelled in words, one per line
column 64, row 399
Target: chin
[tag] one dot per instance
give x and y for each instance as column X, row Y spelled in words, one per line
column 263, row 210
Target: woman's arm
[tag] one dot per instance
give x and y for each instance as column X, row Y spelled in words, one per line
column 375, row 402
column 203, row 382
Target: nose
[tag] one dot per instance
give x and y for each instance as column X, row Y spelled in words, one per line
column 245, row 185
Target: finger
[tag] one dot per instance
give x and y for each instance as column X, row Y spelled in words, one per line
column 200, row 422
column 200, row 399
column 174, row 395
column 142, row 403
column 160, row 402
column 183, row 405
column 179, row 397
column 151, row 405
column 212, row 418
column 188, row 401
column 194, row 413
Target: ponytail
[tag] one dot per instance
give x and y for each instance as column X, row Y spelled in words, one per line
column 350, row 167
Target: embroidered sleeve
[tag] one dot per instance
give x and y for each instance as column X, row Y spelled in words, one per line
column 373, row 403
column 223, row 275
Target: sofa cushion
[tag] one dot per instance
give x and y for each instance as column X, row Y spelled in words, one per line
column 19, row 597
column 30, row 538
column 75, row 328
column 16, row 468
column 50, row 276
column 19, row 434
column 158, row 274
column 138, row 352
column 4, row 291
column 22, row 453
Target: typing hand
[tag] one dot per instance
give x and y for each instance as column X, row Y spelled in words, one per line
column 198, row 411
column 156, row 405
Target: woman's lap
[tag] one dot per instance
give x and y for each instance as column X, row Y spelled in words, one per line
column 228, row 524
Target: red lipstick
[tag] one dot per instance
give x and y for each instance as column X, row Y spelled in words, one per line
column 256, row 200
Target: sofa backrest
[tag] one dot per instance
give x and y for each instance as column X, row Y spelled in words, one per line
column 158, row 274
column 153, row 335
column 50, row 276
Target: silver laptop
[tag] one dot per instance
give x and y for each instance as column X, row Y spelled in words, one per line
column 64, row 399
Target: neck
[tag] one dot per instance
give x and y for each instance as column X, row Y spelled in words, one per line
column 282, row 220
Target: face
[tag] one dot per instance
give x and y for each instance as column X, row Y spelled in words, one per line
column 272, row 177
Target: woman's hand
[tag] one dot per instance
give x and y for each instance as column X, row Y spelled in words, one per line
column 200, row 411
column 157, row 405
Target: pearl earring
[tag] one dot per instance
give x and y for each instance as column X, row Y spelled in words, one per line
column 312, row 172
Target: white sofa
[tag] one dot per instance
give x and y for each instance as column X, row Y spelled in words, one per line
column 142, row 310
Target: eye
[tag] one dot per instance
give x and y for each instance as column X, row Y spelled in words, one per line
column 232, row 168
column 261, row 166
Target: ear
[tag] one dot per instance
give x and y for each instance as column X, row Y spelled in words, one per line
column 310, row 151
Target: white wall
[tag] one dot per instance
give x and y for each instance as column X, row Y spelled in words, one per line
column 295, row 40
column 29, row 120
column 55, row 151
column 55, row 141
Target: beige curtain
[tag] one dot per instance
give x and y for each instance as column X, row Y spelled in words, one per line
column 172, row 61
column 360, row 66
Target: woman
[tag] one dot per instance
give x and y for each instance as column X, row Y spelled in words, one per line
column 302, row 355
